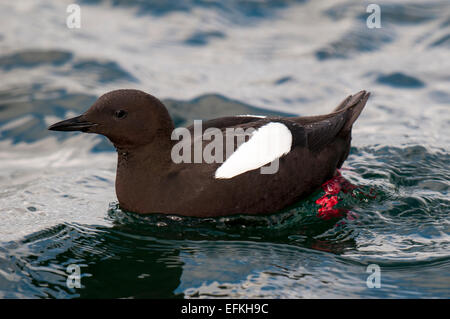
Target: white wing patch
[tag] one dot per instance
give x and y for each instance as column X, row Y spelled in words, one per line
column 265, row 145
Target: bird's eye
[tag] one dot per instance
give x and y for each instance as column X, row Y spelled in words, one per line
column 120, row 114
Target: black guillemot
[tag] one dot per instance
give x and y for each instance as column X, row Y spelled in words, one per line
column 277, row 161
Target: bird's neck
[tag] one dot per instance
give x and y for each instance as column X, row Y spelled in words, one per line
column 140, row 171
column 155, row 155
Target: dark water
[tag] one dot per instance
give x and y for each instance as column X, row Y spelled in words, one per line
column 207, row 59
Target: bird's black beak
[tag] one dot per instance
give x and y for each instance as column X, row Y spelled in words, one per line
column 74, row 124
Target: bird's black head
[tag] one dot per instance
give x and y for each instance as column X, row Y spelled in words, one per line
column 129, row 118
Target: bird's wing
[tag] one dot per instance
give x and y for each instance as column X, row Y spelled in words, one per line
column 263, row 140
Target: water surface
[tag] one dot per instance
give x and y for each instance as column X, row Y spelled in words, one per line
column 206, row 59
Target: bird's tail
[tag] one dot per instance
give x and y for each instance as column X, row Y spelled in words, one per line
column 352, row 107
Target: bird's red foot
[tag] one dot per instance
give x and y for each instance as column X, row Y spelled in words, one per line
column 330, row 199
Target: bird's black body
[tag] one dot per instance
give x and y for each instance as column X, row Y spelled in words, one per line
column 148, row 180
